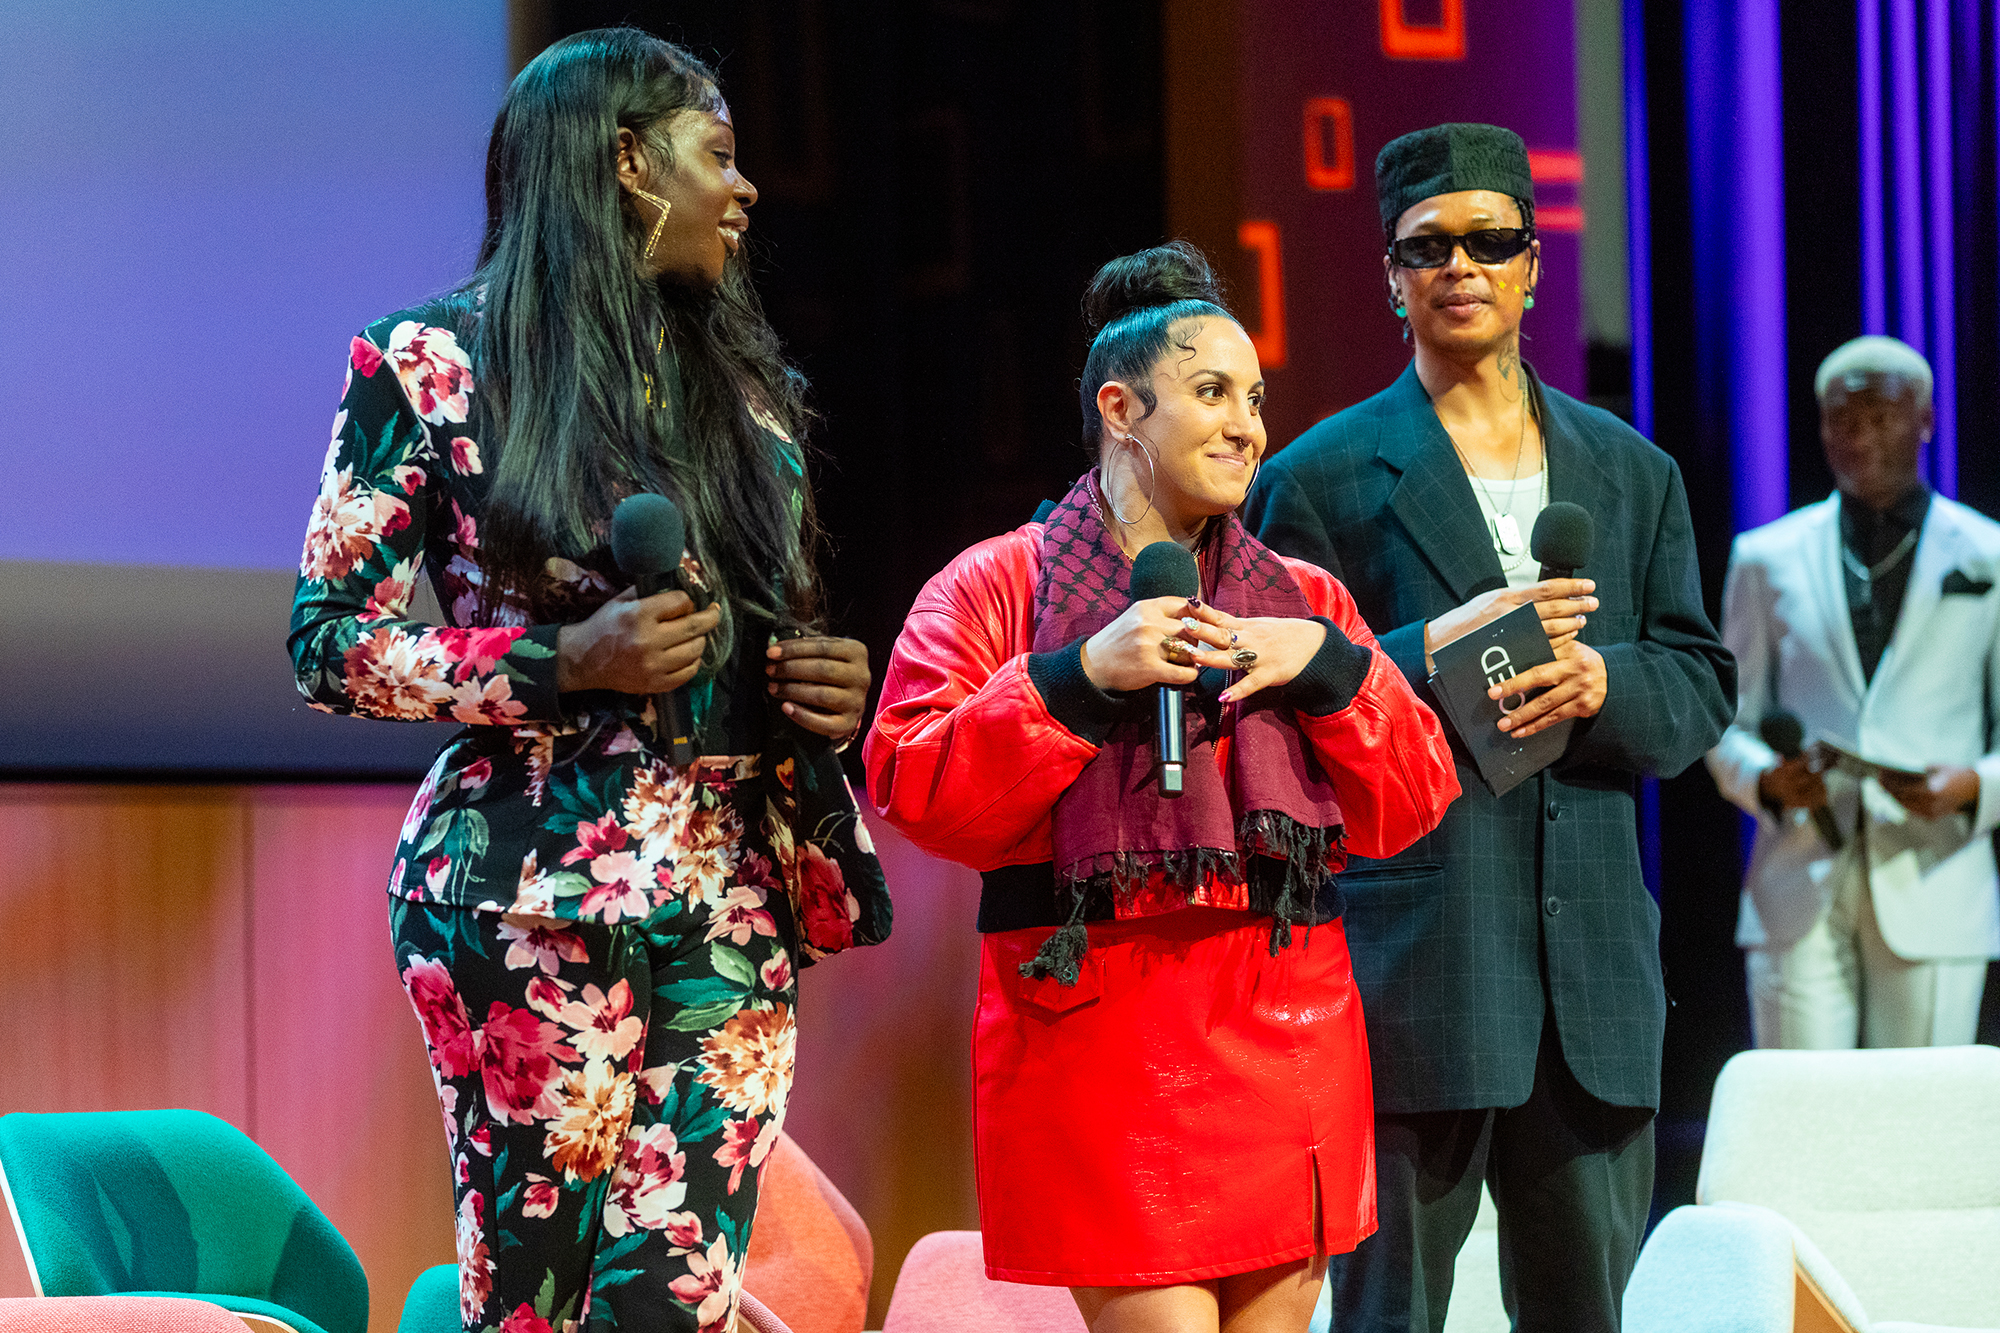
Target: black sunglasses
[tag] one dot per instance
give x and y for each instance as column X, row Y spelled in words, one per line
column 1489, row 245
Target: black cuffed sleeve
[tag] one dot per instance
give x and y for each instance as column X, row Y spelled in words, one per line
column 1088, row 712
column 1333, row 677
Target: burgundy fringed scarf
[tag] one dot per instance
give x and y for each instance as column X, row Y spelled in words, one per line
column 1270, row 824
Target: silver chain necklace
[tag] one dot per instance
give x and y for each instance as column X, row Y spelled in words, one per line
column 1867, row 574
column 1503, row 527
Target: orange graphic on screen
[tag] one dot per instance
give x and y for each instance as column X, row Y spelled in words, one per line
column 1261, row 236
column 1556, row 166
column 1443, row 40
column 1329, row 125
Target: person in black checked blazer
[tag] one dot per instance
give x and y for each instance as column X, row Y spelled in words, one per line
column 1508, row 962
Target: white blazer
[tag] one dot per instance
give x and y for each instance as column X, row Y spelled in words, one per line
column 1934, row 700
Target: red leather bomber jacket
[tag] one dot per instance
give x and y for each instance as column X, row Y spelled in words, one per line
column 965, row 758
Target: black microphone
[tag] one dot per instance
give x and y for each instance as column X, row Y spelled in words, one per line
column 648, row 536
column 1563, row 536
column 1783, row 732
column 1167, row 569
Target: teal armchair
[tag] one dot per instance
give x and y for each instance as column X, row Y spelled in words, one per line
column 182, row 1203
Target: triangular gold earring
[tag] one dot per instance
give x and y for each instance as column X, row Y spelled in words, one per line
column 664, row 208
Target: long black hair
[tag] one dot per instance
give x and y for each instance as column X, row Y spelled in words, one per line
column 603, row 382
column 1129, row 311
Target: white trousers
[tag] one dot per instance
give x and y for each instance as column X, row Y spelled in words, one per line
column 1841, row 986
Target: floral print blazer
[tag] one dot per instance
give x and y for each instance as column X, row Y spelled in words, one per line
column 544, row 805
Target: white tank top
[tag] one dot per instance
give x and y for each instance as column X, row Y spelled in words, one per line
column 1510, row 509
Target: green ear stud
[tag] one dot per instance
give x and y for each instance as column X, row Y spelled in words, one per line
column 1528, row 302
column 1401, row 311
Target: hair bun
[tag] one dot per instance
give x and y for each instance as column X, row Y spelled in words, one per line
column 1160, row 276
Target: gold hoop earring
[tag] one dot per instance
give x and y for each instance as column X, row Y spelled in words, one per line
column 664, row 207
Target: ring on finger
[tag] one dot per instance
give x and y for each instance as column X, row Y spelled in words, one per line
column 1243, row 658
column 1233, row 637
column 1173, row 649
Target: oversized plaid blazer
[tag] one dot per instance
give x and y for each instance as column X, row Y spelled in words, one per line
column 1531, row 903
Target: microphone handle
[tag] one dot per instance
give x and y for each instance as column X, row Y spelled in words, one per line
column 1556, row 572
column 673, row 723
column 1170, row 739
column 1822, row 817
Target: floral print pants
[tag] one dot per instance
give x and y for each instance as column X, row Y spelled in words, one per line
column 610, row 1095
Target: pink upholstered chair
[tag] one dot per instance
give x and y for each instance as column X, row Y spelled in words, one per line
column 114, row 1314
column 757, row 1316
column 811, row 1257
column 943, row 1288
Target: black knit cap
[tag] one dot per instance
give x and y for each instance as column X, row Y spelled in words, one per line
column 1447, row 158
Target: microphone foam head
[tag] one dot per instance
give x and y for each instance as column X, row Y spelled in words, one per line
column 648, row 535
column 1782, row 731
column 1165, row 569
column 1563, row 536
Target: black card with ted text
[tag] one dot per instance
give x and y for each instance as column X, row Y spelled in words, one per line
column 1473, row 663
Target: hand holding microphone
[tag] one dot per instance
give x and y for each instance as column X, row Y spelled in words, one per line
column 1127, row 654
column 1562, row 540
column 649, row 639
column 1131, row 652
column 1576, row 684
column 1793, row 784
column 1167, row 569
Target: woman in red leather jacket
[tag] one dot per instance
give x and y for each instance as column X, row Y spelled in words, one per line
column 1171, row 1087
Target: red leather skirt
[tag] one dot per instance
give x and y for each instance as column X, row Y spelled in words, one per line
column 1191, row 1108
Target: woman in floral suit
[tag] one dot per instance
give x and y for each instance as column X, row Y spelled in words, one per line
column 601, row 947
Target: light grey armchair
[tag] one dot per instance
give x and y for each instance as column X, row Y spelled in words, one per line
column 1839, row 1190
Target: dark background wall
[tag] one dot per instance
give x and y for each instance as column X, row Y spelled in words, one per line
column 938, row 180
column 1707, row 1016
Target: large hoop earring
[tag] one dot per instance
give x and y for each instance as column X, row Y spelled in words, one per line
column 1152, row 489
column 664, row 207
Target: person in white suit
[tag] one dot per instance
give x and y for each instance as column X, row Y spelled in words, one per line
column 1872, row 618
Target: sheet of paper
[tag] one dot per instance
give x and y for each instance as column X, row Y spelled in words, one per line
column 1856, row 766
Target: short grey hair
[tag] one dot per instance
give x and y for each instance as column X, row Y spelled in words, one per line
column 1855, row 360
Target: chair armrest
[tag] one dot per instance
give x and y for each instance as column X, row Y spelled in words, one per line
column 754, row 1315
column 1824, row 1303
column 1713, row 1270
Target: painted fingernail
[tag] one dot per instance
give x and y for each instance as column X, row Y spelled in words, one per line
column 1195, row 602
